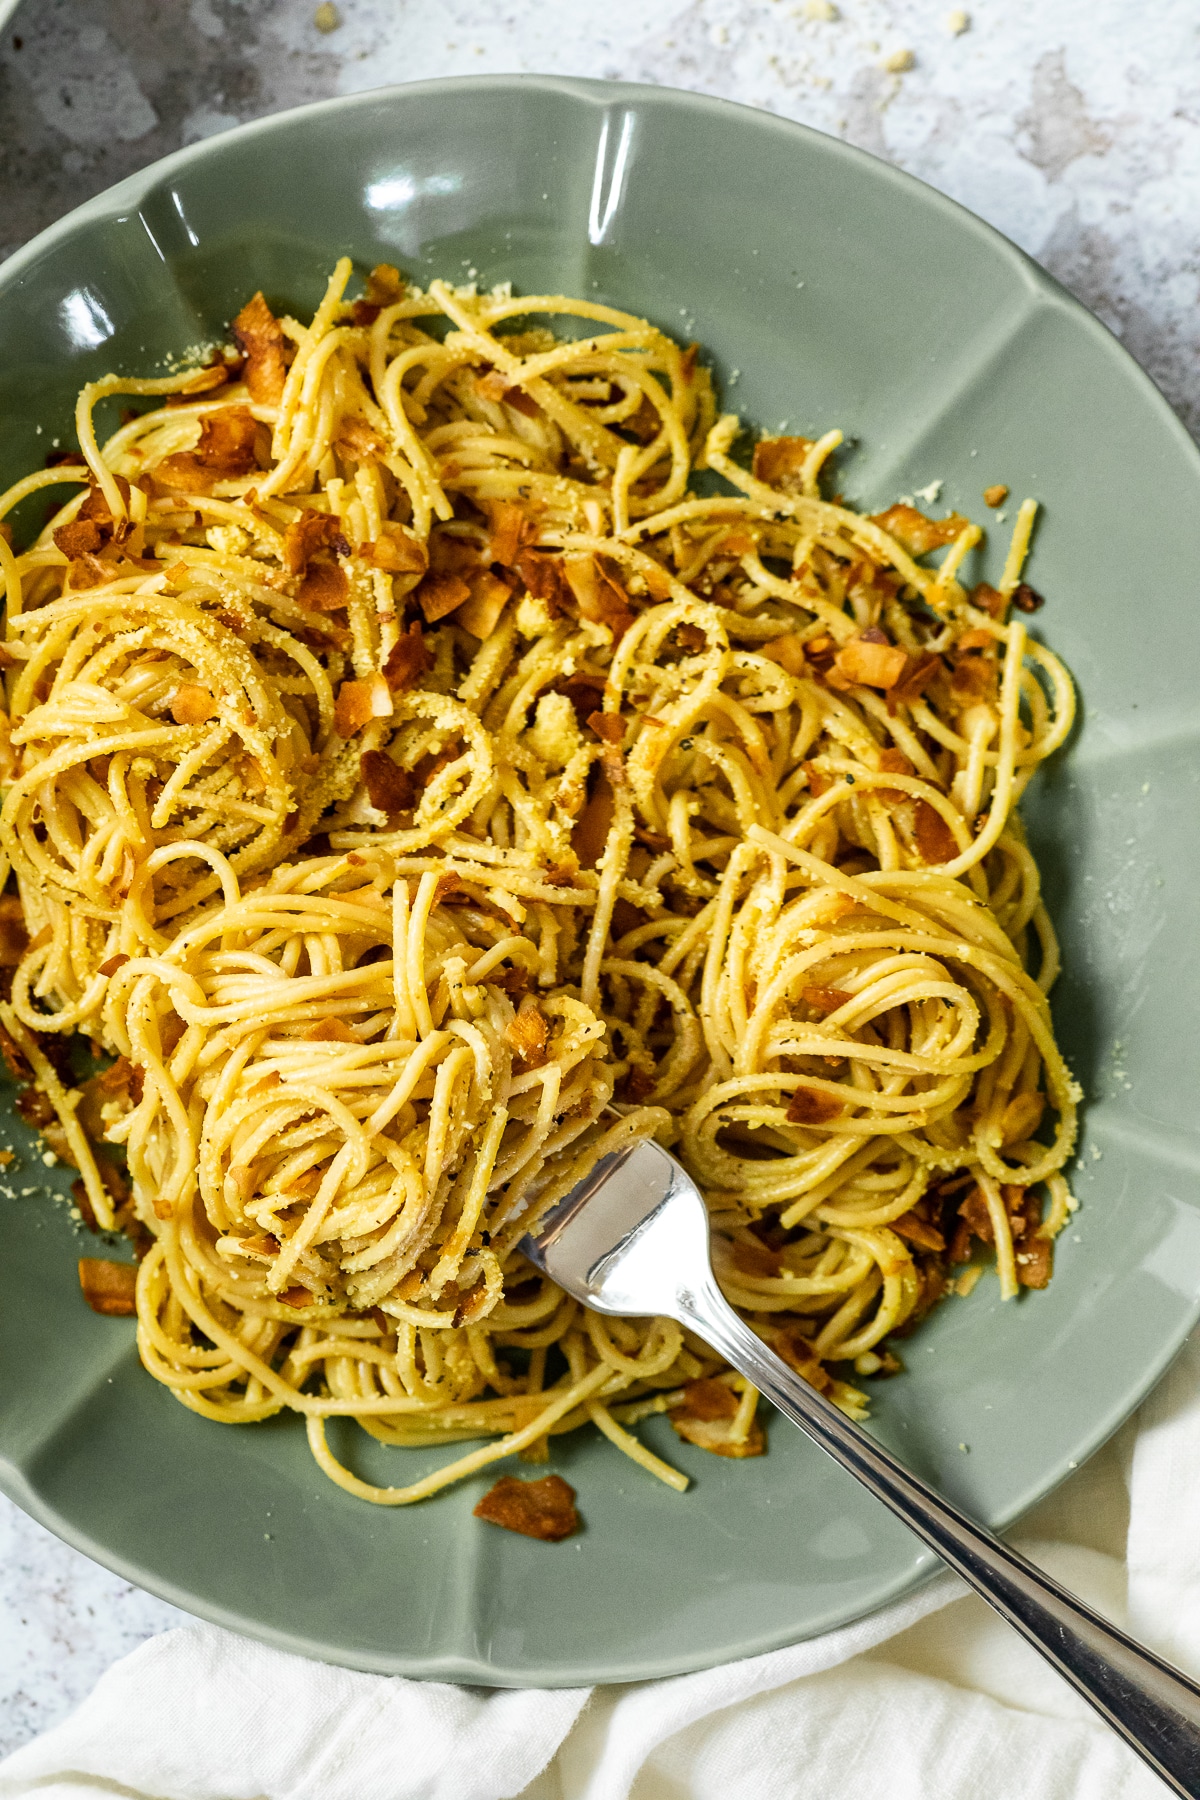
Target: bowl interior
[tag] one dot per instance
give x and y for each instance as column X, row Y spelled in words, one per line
column 827, row 289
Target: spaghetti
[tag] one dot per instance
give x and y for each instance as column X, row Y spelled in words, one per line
column 418, row 787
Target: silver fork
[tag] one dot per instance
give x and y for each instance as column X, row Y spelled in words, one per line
column 632, row 1239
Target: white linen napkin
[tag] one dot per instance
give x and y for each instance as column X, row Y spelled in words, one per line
column 932, row 1699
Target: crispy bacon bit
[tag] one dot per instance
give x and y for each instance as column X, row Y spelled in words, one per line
column 825, row 1000
column 871, row 662
column 14, row 938
column 192, row 704
column 330, row 1031
column 935, row 840
column 1021, row 1117
column 225, row 452
column 480, row 612
column 1027, row 599
column 973, row 1211
column 385, row 285
column 358, row 702
column 513, row 982
column 995, row 495
column 914, row 532
column 297, row 1297
column 512, row 529
column 447, row 886
column 113, row 963
column 389, row 787
column 263, row 1245
column 988, row 599
column 687, row 363
column 35, row 1108
column 527, row 1034
column 14, row 1057
column 599, row 598
column 978, row 638
column 491, row 386
column 608, row 726
column 355, row 438
column 543, row 577
column 809, row 1106
column 790, row 1342
column 311, row 532
column 919, row 671
column 325, row 587
column 1034, row 1255
column 440, row 595
column 705, row 1417
column 756, row 1259
column 779, row 461
column 594, row 824
column 893, row 762
column 260, row 336
column 542, row 1509
column 108, row 1287
column 408, row 660
column 123, row 1079
column 78, row 537
column 521, row 402
column 917, row 1230
column 787, row 651
column 397, row 551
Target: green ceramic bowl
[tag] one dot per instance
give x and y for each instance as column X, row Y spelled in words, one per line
column 830, row 290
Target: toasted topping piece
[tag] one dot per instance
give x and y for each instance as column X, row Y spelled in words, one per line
column 330, row 1031
column 358, row 702
column 512, row 528
column 14, row 939
column 480, row 613
column 108, row 1287
column 914, row 532
column 389, row 787
column 1027, row 599
column 810, row 1106
column 440, row 595
column 778, row 461
column 225, row 452
column 825, row 1000
column 935, row 840
column 601, row 601
column 919, row 671
column 787, row 651
column 397, row 551
column 1021, row 1117
column 538, row 1509
column 996, row 495
column 871, row 663
column 266, row 349
column 706, row 1417
column 608, row 726
column 311, row 532
column 408, row 660
column 594, row 824
column 192, row 705
column 527, row 1034
column 917, row 1230
column 325, row 587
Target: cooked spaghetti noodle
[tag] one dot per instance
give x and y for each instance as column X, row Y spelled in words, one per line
column 418, row 786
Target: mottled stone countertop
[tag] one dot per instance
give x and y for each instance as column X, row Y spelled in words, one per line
column 1073, row 125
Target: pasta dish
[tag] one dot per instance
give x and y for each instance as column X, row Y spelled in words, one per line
column 437, row 754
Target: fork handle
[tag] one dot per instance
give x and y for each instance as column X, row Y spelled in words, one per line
column 1153, row 1707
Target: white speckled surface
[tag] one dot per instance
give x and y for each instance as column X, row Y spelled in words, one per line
column 1073, row 125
